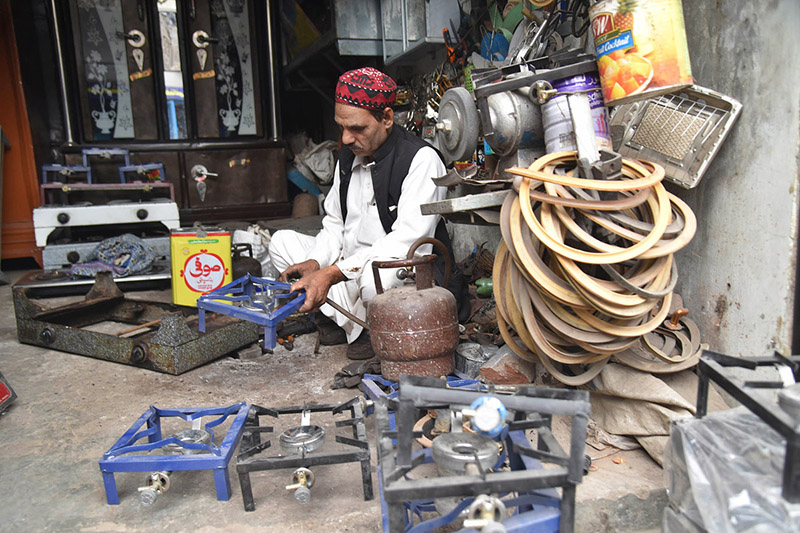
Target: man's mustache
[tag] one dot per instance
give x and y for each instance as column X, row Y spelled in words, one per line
column 354, row 146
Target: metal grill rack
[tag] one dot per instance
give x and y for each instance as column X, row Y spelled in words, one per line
column 303, row 456
column 713, row 366
column 522, row 483
column 121, row 456
column 682, row 131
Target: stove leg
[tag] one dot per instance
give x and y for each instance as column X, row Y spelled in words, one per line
column 791, row 470
column 247, row 491
column 111, row 488
column 366, row 480
column 397, row 517
column 702, row 394
column 223, row 484
column 270, row 338
column 567, row 522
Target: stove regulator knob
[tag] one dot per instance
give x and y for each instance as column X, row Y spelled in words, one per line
column 48, row 336
column 302, row 495
column 148, row 496
column 142, row 214
column 62, row 218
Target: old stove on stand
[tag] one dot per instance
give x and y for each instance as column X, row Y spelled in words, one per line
column 77, row 212
column 303, row 447
column 162, row 337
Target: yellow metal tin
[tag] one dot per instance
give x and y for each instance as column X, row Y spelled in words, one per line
column 201, row 262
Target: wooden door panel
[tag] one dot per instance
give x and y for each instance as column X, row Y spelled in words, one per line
column 225, row 91
column 117, row 99
column 141, row 80
column 245, row 177
column 203, row 75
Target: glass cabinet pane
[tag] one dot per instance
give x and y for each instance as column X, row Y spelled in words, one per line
column 107, row 99
column 193, row 75
column 225, row 84
column 173, row 75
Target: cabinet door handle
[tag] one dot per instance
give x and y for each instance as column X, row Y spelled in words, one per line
column 200, row 173
column 135, row 38
column 200, row 38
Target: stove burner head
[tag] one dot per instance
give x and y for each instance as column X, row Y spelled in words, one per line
column 260, row 300
column 49, row 275
column 302, row 438
column 455, row 451
column 191, row 436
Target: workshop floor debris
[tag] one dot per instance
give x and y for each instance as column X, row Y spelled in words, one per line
column 71, row 409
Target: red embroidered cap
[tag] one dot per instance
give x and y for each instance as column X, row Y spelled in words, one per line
column 366, row 87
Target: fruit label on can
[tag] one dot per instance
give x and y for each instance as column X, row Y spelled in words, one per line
column 641, row 48
column 608, row 37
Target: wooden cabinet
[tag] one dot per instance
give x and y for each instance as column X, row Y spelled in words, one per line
column 182, row 83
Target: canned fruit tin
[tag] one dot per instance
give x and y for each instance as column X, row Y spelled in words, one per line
column 641, row 48
column 201, row 263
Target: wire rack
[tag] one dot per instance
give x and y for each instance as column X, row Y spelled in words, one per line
column 683, row 132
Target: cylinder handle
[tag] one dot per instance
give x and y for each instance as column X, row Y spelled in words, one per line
column 423, row 281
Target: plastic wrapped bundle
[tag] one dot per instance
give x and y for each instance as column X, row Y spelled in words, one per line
column 724, row 474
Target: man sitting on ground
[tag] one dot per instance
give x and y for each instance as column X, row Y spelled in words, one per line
column 372, row 212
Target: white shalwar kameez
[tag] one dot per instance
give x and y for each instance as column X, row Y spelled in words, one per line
column 354, row 244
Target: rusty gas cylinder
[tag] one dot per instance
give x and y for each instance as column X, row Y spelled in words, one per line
column 413, row 328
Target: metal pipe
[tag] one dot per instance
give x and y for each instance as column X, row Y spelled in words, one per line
column 273, row 104
column 62, row 76
column 383, row 28
column 403, row 15
column 349, row 315
column 418, row 394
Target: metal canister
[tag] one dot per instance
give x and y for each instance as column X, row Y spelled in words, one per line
column 201, row 262
column 241, row 263
column 413, row 328
column 641, row 48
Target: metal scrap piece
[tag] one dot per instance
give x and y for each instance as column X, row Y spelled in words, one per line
column 173, row 349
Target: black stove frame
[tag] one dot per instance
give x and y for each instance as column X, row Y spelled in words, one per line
column 248, row 459
column 713, row 367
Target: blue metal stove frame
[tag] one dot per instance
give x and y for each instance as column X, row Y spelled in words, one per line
column 227, row 300
column 209, row 456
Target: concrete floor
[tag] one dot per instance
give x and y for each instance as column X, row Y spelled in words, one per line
column 71, row 409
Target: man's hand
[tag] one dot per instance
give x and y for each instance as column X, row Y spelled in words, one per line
column 315, row 281
column 299, row 270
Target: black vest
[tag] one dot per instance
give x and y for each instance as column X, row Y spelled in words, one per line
column 392, row 161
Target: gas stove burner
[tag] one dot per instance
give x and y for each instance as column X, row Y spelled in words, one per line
column 475, row 474
column 263, row 301
column 50, row 275
column 302, row 439
column 192, row 449
column 298, row 441
column 189, row 436
column 457, row 453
